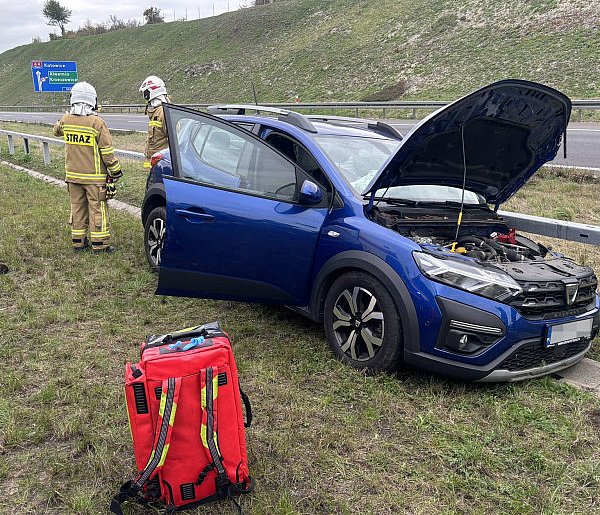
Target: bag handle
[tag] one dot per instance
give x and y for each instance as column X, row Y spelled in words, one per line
column 246, row 401
column 160, row 448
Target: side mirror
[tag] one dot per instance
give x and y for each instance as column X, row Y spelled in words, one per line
column 310, row 194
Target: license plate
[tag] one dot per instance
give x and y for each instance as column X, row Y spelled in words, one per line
column 562, row 334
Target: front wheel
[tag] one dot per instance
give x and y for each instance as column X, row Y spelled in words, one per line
column 154, row 236
column 362, row 323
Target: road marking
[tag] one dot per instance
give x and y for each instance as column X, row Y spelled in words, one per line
column 575, row 167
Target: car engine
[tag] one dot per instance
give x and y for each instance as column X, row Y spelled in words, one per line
column 485, row 237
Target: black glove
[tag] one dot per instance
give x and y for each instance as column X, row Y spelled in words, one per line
column 111, row 190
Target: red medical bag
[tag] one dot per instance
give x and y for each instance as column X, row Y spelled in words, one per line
column 185, row 414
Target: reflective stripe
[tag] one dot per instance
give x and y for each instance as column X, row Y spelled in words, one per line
column 80, row 128
column 107, row 150
column 207, row 431
column 99, row 234
column 103, row 213
column 78, row 232
column 86, row 176
column 97, row 157
column 159, row 453
column 155, row 123
column 115, row 168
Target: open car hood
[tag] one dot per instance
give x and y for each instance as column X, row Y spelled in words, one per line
column 509, row 130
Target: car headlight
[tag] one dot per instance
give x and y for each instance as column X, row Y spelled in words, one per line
column 493, row 284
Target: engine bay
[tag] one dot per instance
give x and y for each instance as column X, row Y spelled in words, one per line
column 485, row 237
column 483, row 234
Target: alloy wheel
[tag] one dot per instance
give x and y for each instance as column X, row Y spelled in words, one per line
column 358, row 324
column 156, row 235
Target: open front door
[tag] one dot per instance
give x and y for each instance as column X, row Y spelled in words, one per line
column 235, row 229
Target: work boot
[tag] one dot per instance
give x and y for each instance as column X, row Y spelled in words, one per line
column 83, row 246
column 108, row 250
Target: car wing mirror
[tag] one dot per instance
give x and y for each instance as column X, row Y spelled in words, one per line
column 310, row 194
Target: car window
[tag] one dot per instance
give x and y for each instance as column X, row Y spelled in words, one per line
column 299, row 155
column 358, row 159
column 215, row 153
column 219, row 148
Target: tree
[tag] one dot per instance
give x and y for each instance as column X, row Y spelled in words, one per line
column 56, row 14
column 152, row 15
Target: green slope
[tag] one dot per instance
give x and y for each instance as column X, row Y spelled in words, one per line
column 335, row 50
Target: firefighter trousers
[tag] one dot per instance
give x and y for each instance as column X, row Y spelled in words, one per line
column 89, row 212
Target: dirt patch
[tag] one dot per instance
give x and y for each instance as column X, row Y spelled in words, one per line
column 595, row 420
column 198, row 70
column 392, row 92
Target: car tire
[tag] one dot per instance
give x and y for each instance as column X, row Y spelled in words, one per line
column 362, row 324
column 154, row 236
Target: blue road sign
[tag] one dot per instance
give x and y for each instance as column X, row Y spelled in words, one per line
column 53, row 76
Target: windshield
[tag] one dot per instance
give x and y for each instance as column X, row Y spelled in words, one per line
column 357, row 159
column 430, row 193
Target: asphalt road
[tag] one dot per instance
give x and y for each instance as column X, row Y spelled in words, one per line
column 583, row 139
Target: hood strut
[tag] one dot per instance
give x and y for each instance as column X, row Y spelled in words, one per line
column 462, row 198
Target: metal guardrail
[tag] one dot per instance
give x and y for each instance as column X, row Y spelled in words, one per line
column 385, row 107
column 561, row 229
column 46, row 142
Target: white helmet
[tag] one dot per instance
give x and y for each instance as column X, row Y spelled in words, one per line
column 84, row 93
column 153, row 87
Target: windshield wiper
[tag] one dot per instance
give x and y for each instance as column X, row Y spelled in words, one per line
column 395, row 201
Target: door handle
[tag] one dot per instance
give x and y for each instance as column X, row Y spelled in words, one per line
column 204, row 217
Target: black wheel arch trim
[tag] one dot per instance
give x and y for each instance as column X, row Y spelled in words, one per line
column 156, row 190
column 384, row 273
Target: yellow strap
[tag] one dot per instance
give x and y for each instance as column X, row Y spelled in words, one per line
column 155, row 123
column 147, row 164
column 107, row 150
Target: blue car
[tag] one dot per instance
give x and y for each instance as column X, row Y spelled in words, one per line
column 393, row 243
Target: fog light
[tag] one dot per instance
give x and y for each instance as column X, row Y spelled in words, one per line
column 467, row 343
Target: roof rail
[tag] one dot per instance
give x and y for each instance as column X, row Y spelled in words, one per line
column 284, row 115
column 385, row 129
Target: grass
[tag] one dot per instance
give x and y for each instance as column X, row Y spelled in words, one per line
column 326, row 438
column 332, row 50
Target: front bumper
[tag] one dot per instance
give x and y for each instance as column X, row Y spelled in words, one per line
column 524, row 354
column 493, row 371
column 503, row 375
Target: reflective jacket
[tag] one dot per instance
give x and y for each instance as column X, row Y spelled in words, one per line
column 157, row 133
column 89, row 154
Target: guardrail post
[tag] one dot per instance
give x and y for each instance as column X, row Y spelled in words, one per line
column 384, row 111
column 414, row 113
column 46, row 153
column 26, row 145
column 11, row 145
column 579, row 114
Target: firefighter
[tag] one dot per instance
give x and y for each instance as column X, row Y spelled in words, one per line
column 91, row 169
column 155, row 93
